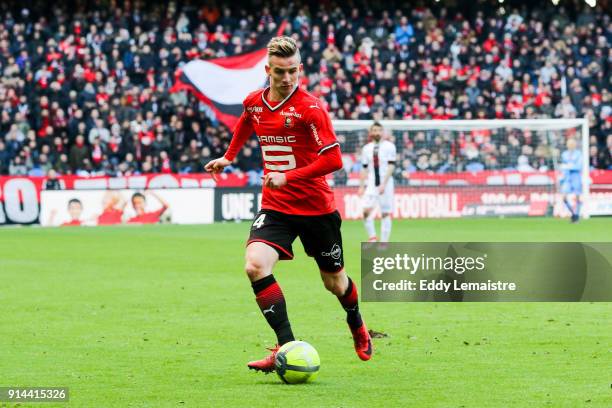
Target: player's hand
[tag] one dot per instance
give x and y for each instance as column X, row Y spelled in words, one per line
column 361, row 191
column 275, row 180
column 381, row 190
column 216, row 166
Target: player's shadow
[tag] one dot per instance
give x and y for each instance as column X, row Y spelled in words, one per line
column 277, row 381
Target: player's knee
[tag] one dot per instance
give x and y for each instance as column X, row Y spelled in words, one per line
column 334, row 285
column 255, row 269
column 366, row 213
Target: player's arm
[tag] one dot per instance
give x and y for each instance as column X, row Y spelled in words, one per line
column 388, row 175
column 363, row 176
column 243, row 130
column 327, row 162
column 390, row 157
column 575, row 162
column 163, row 202
column 121, row 203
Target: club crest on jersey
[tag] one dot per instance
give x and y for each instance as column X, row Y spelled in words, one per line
column 288, row 122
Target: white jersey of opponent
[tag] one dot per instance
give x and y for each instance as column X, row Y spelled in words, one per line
column 376, row 157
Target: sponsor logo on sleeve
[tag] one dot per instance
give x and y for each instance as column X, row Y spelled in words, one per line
column 316, row 134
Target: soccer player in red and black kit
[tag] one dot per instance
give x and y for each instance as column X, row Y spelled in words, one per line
column 299, row 148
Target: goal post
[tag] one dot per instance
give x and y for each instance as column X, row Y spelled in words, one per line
column 477, row 157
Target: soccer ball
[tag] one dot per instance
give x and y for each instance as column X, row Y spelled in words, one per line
column 297, row 362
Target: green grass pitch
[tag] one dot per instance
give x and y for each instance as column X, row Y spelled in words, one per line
column 163, row 316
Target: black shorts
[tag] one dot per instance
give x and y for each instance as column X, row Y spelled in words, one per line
column 320, row 236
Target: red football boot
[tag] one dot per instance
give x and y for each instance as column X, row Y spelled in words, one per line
column 363, row 342
column 266, row 364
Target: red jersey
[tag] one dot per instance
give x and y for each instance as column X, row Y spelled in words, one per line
column 148, row 217
column 110, row 216
column 292, row 134
column 72, row 223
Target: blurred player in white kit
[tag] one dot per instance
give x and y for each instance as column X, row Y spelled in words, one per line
column 376, row 184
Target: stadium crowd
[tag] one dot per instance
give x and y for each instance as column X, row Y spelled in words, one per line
column 85, row 89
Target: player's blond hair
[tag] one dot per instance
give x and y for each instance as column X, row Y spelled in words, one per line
column 283, row 47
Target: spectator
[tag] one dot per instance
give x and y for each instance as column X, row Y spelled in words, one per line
column 565, row 109
column 17, row 167
column 109, row 78
column 403, row 32
column 52, row 182
column 79, row 152
column 5, row 158
column 193, row 154
column 100, row 132
column 523, row 164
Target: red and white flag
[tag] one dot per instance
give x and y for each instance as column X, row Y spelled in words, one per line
column 223, row 83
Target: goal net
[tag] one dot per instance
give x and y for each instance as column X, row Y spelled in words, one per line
column 469, row 168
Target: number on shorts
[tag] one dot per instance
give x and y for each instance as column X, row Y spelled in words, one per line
column 259, row 221
column 289, row 158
